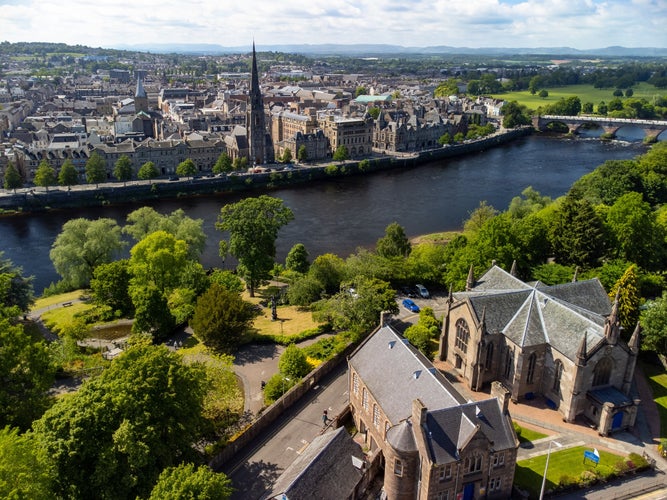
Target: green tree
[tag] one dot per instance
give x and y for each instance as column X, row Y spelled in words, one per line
column 478, row 218
column 445, row 139
column 186, row 168
column 227, row 280
column 304, row 290
column 628, row 298
column 221, row 318
column 329, row 270
column 158, row 259
column 587, row 108
column 223, row 164
column 83, row 245
column 12, row 178
column 26, row 372
column 297, row 259
column 115, row 435
column 653, row 319
column 603, row 108
column 123, row 169
column 360, row 90
column 186, row 481
column 302, row 153
column 148, row 171
column 240, row 163
column 151, row 311
column 45, row 175
column 543, row 94
column 618, row 93
column 420, row 337
column 341, row 153
column 96, row 170
column 447, row 88
column 15, row 289
column 294, row 363
column 68, row 176
column 515, row 115
column 374, row 111
column 23, row 468
column 287, row 156
column 110, row 286
column 629, row 93
column 394, row 243
column 253, row 225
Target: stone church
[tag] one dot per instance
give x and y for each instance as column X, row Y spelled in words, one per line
column 560, row 342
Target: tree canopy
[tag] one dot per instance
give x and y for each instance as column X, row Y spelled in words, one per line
column 12, row 177
column 394, row 243
column 123, row 169
column 96, row 171
column 45, row 175
column 186, row 481
column 68, row 176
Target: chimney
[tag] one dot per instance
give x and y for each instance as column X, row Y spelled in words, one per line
column 418, row 412
column 499, row 391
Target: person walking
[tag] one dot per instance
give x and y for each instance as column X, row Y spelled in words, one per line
column 325, row 418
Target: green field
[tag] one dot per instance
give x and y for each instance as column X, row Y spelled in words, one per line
column 586, row 93
column 657, row 379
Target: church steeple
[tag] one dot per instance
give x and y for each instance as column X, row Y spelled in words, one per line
column 470, row 282
column 140, row 97
column 255, row 120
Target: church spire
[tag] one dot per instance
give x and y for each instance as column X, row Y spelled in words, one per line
column 513, row 268
column 255, row 120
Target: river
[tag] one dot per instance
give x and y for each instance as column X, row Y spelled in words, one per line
column 339, row 216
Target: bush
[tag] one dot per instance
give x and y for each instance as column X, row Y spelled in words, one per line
column 276, row 387
column 517, row 429
column 587, row 478
column 566, row 481
column 637, row 461
column 325, row 349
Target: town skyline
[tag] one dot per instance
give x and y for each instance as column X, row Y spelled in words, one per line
column 474, row 24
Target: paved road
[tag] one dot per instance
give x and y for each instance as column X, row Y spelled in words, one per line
column 273, row 451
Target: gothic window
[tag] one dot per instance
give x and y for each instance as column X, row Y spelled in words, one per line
column 355, row 383
column 489, row 356
column 531, row 368
column 386, row 429
column 376, row 416
column 364, row 398
column 509, row 358
column 499, row 459
column 398, row 468
column 602, row 372
column 558, row 373
column 472, row 464
column 462, row 335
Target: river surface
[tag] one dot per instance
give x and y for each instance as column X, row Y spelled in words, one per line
column 339, row 216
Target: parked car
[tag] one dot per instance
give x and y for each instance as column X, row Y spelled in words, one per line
column 173, row 177
column 410, row 305
column 423, row 292
column 408, row 291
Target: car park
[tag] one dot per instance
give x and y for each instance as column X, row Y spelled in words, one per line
column 408, row 291
column 423, row 292
column 410, row 305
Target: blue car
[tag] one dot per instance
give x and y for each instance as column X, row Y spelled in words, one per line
column 410, row 305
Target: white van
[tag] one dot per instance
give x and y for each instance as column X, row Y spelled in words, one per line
column 423, row 292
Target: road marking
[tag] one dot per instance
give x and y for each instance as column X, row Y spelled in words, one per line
column 289, row 448
column 303, row 447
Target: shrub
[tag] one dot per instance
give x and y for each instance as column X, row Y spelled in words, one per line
column 638, row 462
column 587, row 478
column 517, row 429
column 276, row 387
column 331, row 170
column 566, row 481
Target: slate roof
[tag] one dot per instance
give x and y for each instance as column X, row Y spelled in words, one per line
column 448, row 430
column 527, row 315
column 324, row 470
column 396, row 373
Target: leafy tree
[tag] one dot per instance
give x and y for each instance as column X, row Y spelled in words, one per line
column 15, row 289
column 227, row 280
column 240, row 163
column 23, row 468
column 654, row 325
column 68, row 176
column 26, row 372
column 223, row 164
column 341, row 153
column 628, row 298
column 12, row 178
column 618, row 93
column 360, row 90
column 287, row 156
column 420, row 337
column 474, row 87
column 45, row 175
column 478, row 218
column 447, row 88
column 148, row 171
column 394, row 243
column 329, row 270
column 608, row 182
column 587, row 108
column 123, row 169
column 151, row 311
column 515, row 115
column 371, row 265
column 297, row 259
column 294, row 363
column 302, row 153
column 146, row 220
column 186, row 481
column 374, row 111
column 603, row 108
column 543, row 94
column 629, row 93
column 304, row 291
column 459, row 137
column 528, row 203
column 96, row 170
column 186, row 168
column 110, row 286
column 114, row 436
column 221, row 318
column 426, row 263
column 158, row 259
column 253, row 225
column 552, row 273
column 83, row 245
column 445, row 139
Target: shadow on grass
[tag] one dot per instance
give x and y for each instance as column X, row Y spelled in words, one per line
column 530, row 481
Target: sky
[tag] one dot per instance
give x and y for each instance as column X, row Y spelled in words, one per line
column 580, row 24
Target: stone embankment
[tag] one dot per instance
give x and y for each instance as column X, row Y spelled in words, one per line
column 36, row 199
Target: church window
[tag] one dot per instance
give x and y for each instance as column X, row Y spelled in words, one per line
column 398, row 468
column 489, row 356
column 355, row 383
column 376, row 416
column 364, row 398
column 472, row 464
column 602, row 372
column 558, row 374
column 531, row 368
column 509, row 359
column 462, row 335
column 386, row 428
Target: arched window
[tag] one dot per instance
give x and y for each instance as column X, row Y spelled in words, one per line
column 386, row 428
column 558, row 373
column 462, row 335
column 489, row 356
column 355, row 383
column 364, row 398
column 509, row 362
column 532, row 360
column 376, row 416
column 602, row 372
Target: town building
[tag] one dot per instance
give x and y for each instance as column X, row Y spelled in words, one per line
column 356, row 134
column 560, row 342
column 432, row 442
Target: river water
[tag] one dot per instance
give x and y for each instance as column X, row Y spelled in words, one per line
column 339, row 216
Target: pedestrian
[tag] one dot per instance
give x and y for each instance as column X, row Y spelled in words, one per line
column 325, row 418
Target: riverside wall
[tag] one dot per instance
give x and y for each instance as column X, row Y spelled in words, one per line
column 39, row 199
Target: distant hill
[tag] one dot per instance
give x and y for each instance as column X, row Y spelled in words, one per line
column 385, row 49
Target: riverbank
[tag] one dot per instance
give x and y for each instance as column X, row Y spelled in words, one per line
column 32, row 200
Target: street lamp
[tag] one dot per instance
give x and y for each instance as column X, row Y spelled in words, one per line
column 285, row 379
column 546, row 466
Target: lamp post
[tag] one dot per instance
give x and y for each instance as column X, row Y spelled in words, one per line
column 285, row 379
column 546, row 466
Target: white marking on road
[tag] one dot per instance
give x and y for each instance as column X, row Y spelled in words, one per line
column 289, row 448
column 303, row 447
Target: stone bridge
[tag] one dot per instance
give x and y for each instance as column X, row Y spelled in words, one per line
column 652, row 128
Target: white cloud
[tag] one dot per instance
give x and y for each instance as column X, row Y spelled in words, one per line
column 472, row 23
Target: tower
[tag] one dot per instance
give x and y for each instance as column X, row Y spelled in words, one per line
column 255, row 120
column 140, row 97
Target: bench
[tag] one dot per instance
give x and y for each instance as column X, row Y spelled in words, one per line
column 67, row 304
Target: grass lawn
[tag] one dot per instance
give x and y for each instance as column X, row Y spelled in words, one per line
column 657, row 379
column 569, row 462
column 586, row 93
column 528, row 435
column 57, row 299
column 58, row 318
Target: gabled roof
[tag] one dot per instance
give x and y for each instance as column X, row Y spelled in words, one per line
column 449, row 430
column 323, row 470
column 396, row 373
